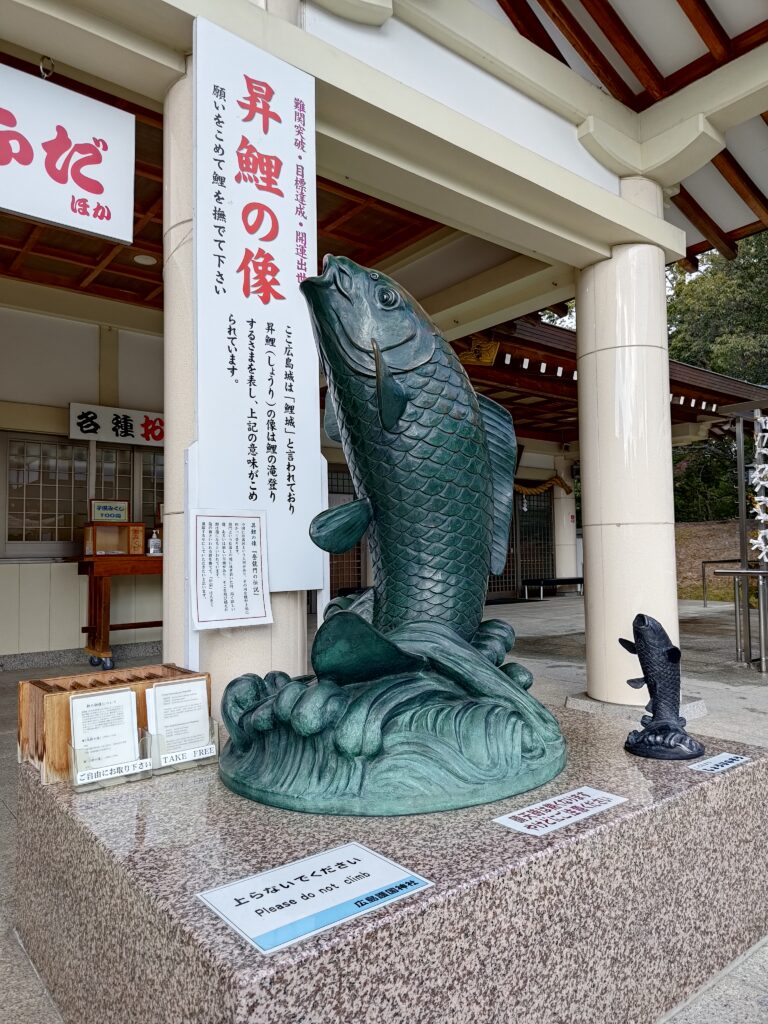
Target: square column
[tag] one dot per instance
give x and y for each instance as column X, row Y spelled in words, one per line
column 625, row 445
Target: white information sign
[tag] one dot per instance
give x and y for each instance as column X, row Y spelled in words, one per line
column 65, row 158
column 719, row 763
column 104, row 733
column 558, row 811
column 255, row 228
column 117, row 426
column 231, row 569
column 178, row 714
column 277, row 908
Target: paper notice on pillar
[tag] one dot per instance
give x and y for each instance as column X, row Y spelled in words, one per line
column 230, row 559
column 558, row 811
column 255, row 241
column 277, row 908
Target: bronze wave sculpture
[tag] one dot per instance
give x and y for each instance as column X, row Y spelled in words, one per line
column 411, row 707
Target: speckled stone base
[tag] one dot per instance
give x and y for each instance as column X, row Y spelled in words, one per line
column 616, row 918
column 691, row 708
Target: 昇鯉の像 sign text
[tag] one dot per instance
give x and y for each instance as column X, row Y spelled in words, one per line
column 257, row 368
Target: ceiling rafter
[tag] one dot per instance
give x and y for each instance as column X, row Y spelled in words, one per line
column 627, row 46
column 742, row 184
column 588, row 50
column 712, row 33
column 529, row 26
column 701, row 220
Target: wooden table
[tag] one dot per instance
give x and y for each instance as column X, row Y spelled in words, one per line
column 100, row 569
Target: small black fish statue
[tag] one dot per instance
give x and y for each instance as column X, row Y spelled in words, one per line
column 663, row 735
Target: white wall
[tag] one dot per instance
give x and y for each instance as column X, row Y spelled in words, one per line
column 140, row 371
column 47, row 361
column 404, row 54
column 43, row 606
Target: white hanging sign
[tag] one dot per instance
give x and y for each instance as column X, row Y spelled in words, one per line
column 65, row 158
column 230, row 568
column 118, row 426
column 255, row 227
column 277, row 908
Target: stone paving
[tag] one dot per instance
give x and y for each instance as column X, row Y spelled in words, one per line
column 551, row 643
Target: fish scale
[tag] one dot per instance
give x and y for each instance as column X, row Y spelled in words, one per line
column 430, row 541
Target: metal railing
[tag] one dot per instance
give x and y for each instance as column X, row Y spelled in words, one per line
column 741, row 578
column 712, row 561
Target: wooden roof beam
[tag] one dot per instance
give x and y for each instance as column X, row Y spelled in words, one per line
column 701, row 16
column 529, row 383
column 589, row 52
column 690, row 263
column 742, row 184
column 529, row 26
column 627, row 47
column 701, row 220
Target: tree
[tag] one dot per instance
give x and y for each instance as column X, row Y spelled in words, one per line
column 718, row 318
column 705, row 481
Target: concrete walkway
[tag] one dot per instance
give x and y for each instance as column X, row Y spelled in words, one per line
column 551, row 643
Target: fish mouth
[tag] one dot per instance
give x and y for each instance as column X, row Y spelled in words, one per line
column 641, row 621
column 334, row 275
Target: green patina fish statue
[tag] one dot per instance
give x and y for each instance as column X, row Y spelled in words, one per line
column 432, row 462
column 411, row 707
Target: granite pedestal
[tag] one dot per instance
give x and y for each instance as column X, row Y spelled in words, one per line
column 615, row 918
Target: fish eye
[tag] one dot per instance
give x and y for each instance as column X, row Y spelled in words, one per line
column 387, row 298
column 374, row 276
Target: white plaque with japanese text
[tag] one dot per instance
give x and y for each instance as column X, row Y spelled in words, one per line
column 277, row 908
column 556, row 812
column 255, row 241
column 718, row 763
column 65, row 158
column 231, row 569
column 117, row 426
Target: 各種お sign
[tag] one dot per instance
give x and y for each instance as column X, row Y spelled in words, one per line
column 257, row 367
column 118, row 426
column 65, row 158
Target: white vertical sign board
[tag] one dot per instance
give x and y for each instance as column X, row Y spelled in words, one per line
column 257, row 368
column 65, row 158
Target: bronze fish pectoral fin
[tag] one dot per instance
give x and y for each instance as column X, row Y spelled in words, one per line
column 628, row 645
column 636, row 683
column 339, row 529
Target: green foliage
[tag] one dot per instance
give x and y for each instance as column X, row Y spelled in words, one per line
column 705, row 481
column 718, row 318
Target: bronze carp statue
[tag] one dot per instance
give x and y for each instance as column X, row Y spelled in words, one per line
column 663, row 735
column 411, row 707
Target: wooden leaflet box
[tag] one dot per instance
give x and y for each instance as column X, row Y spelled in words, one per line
column 45, row 732
column 113, row 538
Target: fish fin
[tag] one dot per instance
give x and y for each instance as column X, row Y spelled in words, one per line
column 502, row 450
column 390, row 393
column 347, row 649
column 330, row 423
column 674, row 654
column 628, row 645
column 636, row 683
column 339, row 529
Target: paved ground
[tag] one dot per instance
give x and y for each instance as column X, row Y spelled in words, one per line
column 551, row 643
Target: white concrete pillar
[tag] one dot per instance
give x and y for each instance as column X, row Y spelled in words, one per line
column 564, row 511
column 625, row 447
column 228, row 652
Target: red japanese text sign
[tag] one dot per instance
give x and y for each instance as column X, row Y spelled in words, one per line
column 117, row 426
column 255, row 241
column 65, row 158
